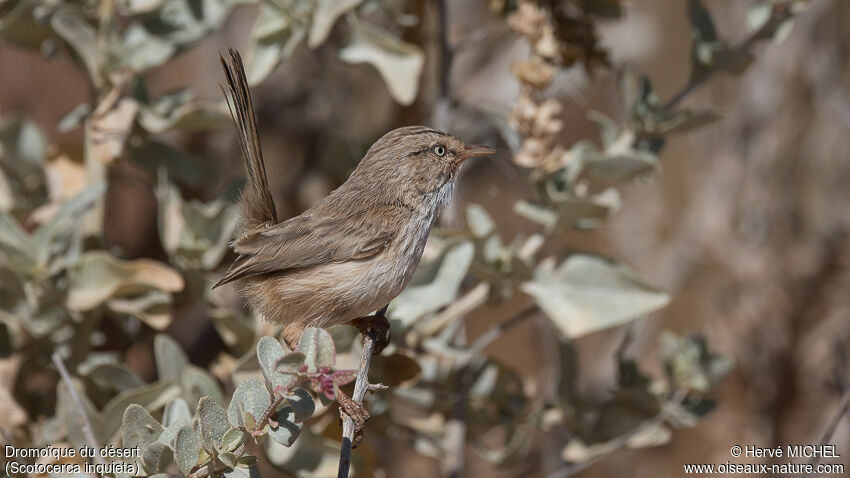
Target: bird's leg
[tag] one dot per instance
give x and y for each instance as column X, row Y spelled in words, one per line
column 378, row 323
column 354, row 410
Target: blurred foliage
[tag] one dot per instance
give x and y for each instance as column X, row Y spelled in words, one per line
column 62, row 291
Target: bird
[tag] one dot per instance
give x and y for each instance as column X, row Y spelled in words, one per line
column 355, row 250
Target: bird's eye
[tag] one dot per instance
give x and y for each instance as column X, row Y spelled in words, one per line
column 440, row 150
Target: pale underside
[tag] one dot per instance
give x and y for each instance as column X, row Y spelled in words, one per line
column 337, row 292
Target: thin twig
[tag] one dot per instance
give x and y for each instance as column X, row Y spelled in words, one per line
column 496, row 332
column 360, row 387
column 779, row 13
column 88, row 431
column 623, row 440
column 842, row 410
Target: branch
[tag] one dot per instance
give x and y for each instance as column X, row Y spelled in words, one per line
column 778, row 14
column 88, row 431
column 360, row 388
column 623, row 440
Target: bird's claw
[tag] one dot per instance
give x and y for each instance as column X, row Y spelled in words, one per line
column 378, row 324
column 356, row 412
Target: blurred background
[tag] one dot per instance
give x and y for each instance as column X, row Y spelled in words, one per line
column 743, row 222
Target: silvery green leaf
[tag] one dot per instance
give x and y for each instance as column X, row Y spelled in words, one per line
column 111, row 376
column 99, row 276
column 536, row 213
column 302, row 404
column 68, row 414
column 416, row 301
column 152, row 397
column 327, row 12
column 69, row 24
column 318, row 349
column 587, row 293
column 14, row 243
column 155, row 457
column 74, row 118
column 614, row 168
column 232, row 439
column 170, row 358
column 234, row 328
column 242, row 471
column 399, row 63
column 608, row 130
column 479, row 221
column 53, row 237
column 187, row 115
column 269, row 351
column 291, row 362
column 139, row 427
column 187, row 448
column 140, row 50
column 276, row 34
column 135, row 7
column 589, row 212
column 153, row 308
column 251, row 396
column 286, row 431
column 310, row 455
column 212, row 422
column 228, row 458
column 23, row 141
column 198, row 383
column 175, row 417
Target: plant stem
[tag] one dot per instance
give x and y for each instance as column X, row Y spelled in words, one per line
column 360, row 387
column 88, row 431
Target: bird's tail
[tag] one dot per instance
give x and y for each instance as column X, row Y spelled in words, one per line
column 256, row 200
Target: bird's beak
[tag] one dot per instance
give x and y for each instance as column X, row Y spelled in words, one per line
column 474, row 150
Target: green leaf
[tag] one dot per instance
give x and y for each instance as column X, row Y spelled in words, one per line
column 242, row 471
column 479, row 222
column 156, row 457
column 152, row 397
column 109, row 374
column 290, row 363
column 419, row 300
column 139, row 427
column 99, row 277
column 536, row 213
column 399, row 63
column 140, row 50
column 54, row 237
column 232, row 439
column 187, row 448
column 153, row 308
column 170, row 358
column 212, row 422
column 286, row 431
column 318, row 349
column 251, row 396
column 587, row 293
column 327, row 12
column 198, row 383
column 276, row 33
column 69, row 24
column 302, row 404
column 269, row 351
column 68, row 414
column 74, row 118
column 618, row 167
column 175, row 417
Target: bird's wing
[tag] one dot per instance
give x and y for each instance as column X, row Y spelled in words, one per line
column 304, row 241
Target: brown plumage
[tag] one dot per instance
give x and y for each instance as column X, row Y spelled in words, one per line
column 356, row 249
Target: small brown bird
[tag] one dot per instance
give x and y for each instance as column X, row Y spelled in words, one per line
column 355, row 250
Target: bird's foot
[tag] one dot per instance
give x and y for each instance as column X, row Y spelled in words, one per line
column 378, row 324
column 357, row 412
